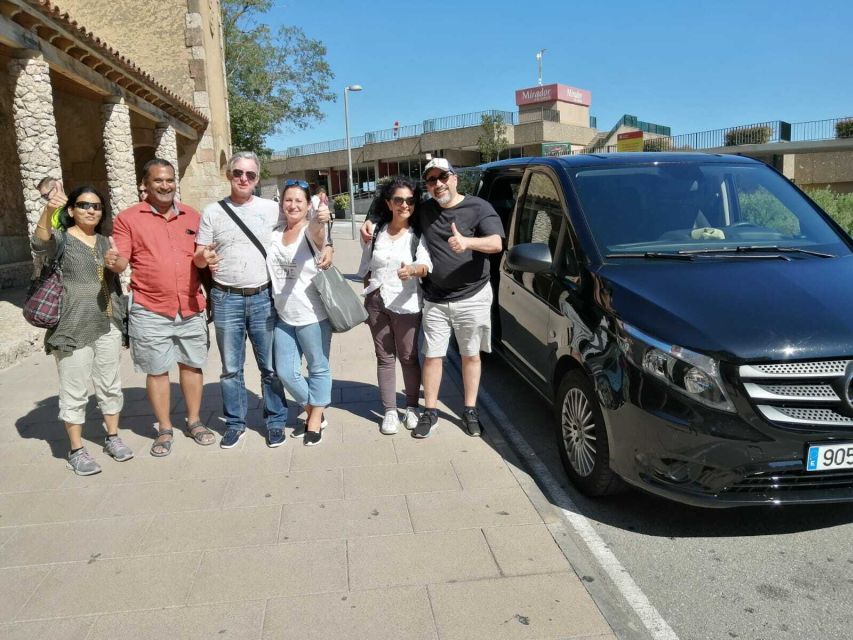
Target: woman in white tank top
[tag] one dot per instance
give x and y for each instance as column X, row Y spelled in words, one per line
column 302, row 327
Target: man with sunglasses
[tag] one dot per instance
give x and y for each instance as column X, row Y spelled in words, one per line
column 232, row 241
column 460, row 231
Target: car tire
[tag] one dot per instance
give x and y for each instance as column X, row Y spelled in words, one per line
column 582, row 437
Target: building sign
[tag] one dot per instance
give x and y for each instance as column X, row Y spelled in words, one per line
column 553, row 149
column 629, row 141
column 553, row 93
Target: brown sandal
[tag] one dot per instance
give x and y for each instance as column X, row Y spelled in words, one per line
column 165, row 447
column 198, row 432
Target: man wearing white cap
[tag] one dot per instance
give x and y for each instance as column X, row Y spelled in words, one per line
column 460, row 233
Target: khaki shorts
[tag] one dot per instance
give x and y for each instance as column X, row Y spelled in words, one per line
column 470, row 320
column 158, row 343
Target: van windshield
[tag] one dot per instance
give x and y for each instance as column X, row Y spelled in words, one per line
column 672, row 207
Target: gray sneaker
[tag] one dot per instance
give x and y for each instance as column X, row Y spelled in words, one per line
column 117, row 449
column 82, row 463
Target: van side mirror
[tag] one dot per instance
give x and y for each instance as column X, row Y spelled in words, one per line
column 529, row 257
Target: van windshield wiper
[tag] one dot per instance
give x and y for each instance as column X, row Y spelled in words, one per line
column 756, row 249
column 653, row 255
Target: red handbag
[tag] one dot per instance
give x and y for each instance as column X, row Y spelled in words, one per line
column 43, row 304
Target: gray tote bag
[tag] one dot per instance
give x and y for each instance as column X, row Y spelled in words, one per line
column 343, row 305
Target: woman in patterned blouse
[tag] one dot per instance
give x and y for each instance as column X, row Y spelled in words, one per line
column 87, row 341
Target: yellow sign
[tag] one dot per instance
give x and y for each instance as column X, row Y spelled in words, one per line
column 629, row 141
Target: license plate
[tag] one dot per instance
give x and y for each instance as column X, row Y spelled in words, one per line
column 822, row 457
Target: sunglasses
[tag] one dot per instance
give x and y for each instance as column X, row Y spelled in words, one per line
column 238, row 173
column 96, row 206
column 45, row 196
column 295, row 183
column 444, row 176
column 398, row 200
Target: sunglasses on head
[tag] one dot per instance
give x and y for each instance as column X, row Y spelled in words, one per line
column 399, row 200
column 444, row 176
column 95, row 206
column 238, row 173
column 295, row 183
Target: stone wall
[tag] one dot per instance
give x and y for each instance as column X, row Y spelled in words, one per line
column 81, row 142
column 150, row 33
column 13, row 220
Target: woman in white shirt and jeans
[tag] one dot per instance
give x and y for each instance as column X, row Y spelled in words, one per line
column 391, row 265
column 302, row 326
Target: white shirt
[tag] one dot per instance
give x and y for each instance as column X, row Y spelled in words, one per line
column 291, row 269
column 241, row 264
column 399, row 296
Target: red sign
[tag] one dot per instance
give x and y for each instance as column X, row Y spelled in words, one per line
column 553, row 93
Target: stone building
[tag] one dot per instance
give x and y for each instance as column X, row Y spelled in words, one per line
column 90, row 90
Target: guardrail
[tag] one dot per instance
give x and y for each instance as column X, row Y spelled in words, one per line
column 539, row 115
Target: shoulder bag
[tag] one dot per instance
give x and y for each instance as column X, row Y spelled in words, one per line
column 343, row 305
column 43, row 304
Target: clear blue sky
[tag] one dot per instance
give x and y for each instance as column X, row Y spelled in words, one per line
column 690, row 65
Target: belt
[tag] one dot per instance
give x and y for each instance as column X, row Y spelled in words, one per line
column 241, row 292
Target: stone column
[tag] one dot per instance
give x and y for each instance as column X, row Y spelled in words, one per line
column 166, row 141
column 118, row 154
column 35, row 127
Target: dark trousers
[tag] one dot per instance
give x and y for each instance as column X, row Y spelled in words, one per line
column 395, row 336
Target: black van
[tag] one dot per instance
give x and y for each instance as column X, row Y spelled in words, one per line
column 690, row 317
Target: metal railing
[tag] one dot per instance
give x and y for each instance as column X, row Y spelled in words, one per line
column 390, row 135
column 464, row 120
column 821, row 129
column 539, row 115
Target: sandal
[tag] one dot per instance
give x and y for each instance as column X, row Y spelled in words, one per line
column 198, row 432
column 165, row 447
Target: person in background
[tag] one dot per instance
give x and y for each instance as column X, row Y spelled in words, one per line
column 86, row 343
column 302, row 326
column 392, row 264
column 52, row 192
column 167, row 323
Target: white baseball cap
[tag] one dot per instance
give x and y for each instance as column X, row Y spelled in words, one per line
column 439, row 163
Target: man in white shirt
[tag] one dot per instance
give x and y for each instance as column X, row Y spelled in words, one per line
column 241, row 296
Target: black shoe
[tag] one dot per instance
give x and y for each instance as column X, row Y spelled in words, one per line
column 426, row 425
column 275, row 437
column 312, row 437
column 471, row 420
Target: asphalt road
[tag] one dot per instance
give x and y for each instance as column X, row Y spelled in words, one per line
column 756, row 573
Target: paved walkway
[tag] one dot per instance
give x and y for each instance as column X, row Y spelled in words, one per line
column 364, row 536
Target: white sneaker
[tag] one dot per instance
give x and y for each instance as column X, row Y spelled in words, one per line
column 390, row 423
column 411, row 418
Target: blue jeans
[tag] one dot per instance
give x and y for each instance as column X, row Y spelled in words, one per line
column 314, row 342
column 235, row 317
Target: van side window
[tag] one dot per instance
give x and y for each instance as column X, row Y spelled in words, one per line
column 541, row 216
column 502, row 196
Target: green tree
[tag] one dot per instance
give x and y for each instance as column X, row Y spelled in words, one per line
column 493, row 139
column 837, row 205
column 275, row 81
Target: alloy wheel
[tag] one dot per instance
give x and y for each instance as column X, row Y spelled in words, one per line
column 578, row 427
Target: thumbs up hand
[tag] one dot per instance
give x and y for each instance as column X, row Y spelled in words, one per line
column 404, row 272
column 211, row 256
column 57, row 198
column 112, row 254
column 458, row 243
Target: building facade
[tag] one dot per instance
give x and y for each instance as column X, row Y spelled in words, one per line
column 91, row 90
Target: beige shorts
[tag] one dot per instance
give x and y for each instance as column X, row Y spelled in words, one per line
column 158, row 343
column 470, row 320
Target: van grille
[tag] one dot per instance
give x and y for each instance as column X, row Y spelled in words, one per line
column 801, row 396
column 781, row 482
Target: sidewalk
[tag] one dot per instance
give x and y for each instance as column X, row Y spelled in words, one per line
column 363, row 536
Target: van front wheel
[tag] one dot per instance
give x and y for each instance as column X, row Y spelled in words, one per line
column 582, row 437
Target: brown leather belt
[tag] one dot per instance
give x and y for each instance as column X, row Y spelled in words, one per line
column 242, row 292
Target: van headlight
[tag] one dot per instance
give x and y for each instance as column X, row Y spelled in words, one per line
column 692, row 374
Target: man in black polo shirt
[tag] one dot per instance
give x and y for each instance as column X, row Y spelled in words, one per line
column 460, row 231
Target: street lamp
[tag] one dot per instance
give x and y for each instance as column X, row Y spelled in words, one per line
column 352, row 87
